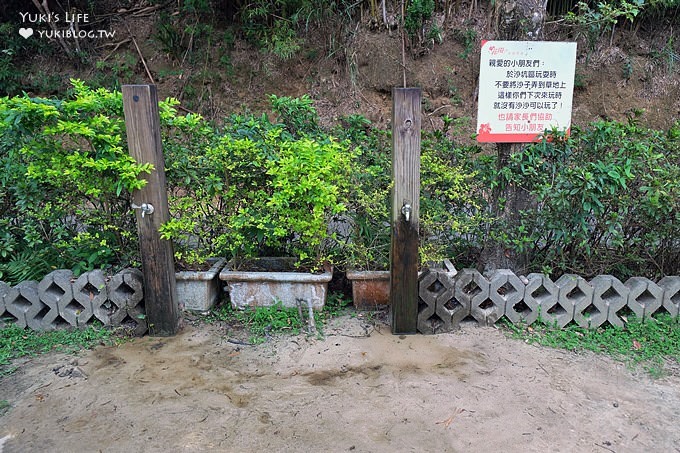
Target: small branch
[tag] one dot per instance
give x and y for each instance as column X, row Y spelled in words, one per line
column 186, row 110
column 403, row 44
column 115, row 45
column 239, row 342
column 384, row 14
column 45, row 9
column 439, row 108
column 75, row 29
column 606, row 448
column 139, row 12
column 139, row 52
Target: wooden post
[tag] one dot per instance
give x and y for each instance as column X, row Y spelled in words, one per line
column 142, row 122
column 405, row 209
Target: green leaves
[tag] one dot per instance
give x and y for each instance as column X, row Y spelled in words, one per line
column 308, row 180
column 257, row 188
column 65, row 182
column 607, row 201
column 418, row 12
column 17, row 342
column 449, row 208
column 650, row 344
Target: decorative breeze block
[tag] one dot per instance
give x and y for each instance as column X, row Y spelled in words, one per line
column 645, row 297
column 671, row 295
column 575, row 297
column 540, row 296
column 472, row 289
column 24, row 304
column 433, row 317
column 55, row 290
column 507, row 291
column 4, row 290
column 609, row 296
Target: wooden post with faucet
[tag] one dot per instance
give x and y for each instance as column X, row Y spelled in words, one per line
column 142, row 122
column 405, row 209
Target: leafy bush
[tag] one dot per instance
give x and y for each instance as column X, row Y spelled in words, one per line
column 65, row 182
column 418, row 13
column 606, row 201
column 262, row 189
column 605, row 15
column 448, row 209
column 13, row 50
column 277, row 26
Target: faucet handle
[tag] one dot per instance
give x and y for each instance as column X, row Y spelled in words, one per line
column 147, row 208
column 406, row 211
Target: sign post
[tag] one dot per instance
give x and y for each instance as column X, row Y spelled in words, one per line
column 525, row 89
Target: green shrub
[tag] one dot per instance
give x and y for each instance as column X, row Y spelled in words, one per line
column 449, row 212
column 418, row 12
column 284, row 192
column 259, row 188
column 606, row 201
column 65, row 182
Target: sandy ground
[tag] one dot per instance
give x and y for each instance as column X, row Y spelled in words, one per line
column 359, row 389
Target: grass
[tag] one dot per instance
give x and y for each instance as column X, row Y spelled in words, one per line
column 261, row 322
column 649, row 345
column 16, row 342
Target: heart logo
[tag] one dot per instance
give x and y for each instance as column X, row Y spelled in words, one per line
column 26, row 32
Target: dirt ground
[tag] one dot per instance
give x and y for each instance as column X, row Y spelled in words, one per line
column 358, row 389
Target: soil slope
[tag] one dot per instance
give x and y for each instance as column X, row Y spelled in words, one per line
column 353, row 69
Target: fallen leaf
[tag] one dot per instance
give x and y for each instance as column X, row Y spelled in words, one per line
column 636, row 345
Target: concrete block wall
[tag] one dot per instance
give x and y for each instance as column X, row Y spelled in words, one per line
column 61, row 300
column 447, row 298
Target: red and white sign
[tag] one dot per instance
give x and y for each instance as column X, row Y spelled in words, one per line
column 525, row 88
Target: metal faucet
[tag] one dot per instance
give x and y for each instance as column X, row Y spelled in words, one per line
column 147, row 208
column 406, row 211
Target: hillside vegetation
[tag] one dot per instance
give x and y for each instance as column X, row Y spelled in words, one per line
column 219, row 56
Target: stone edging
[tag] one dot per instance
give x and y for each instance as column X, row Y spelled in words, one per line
column 448, row 298
column 61, row 300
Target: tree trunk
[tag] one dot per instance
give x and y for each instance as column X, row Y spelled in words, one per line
column 517, row 20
